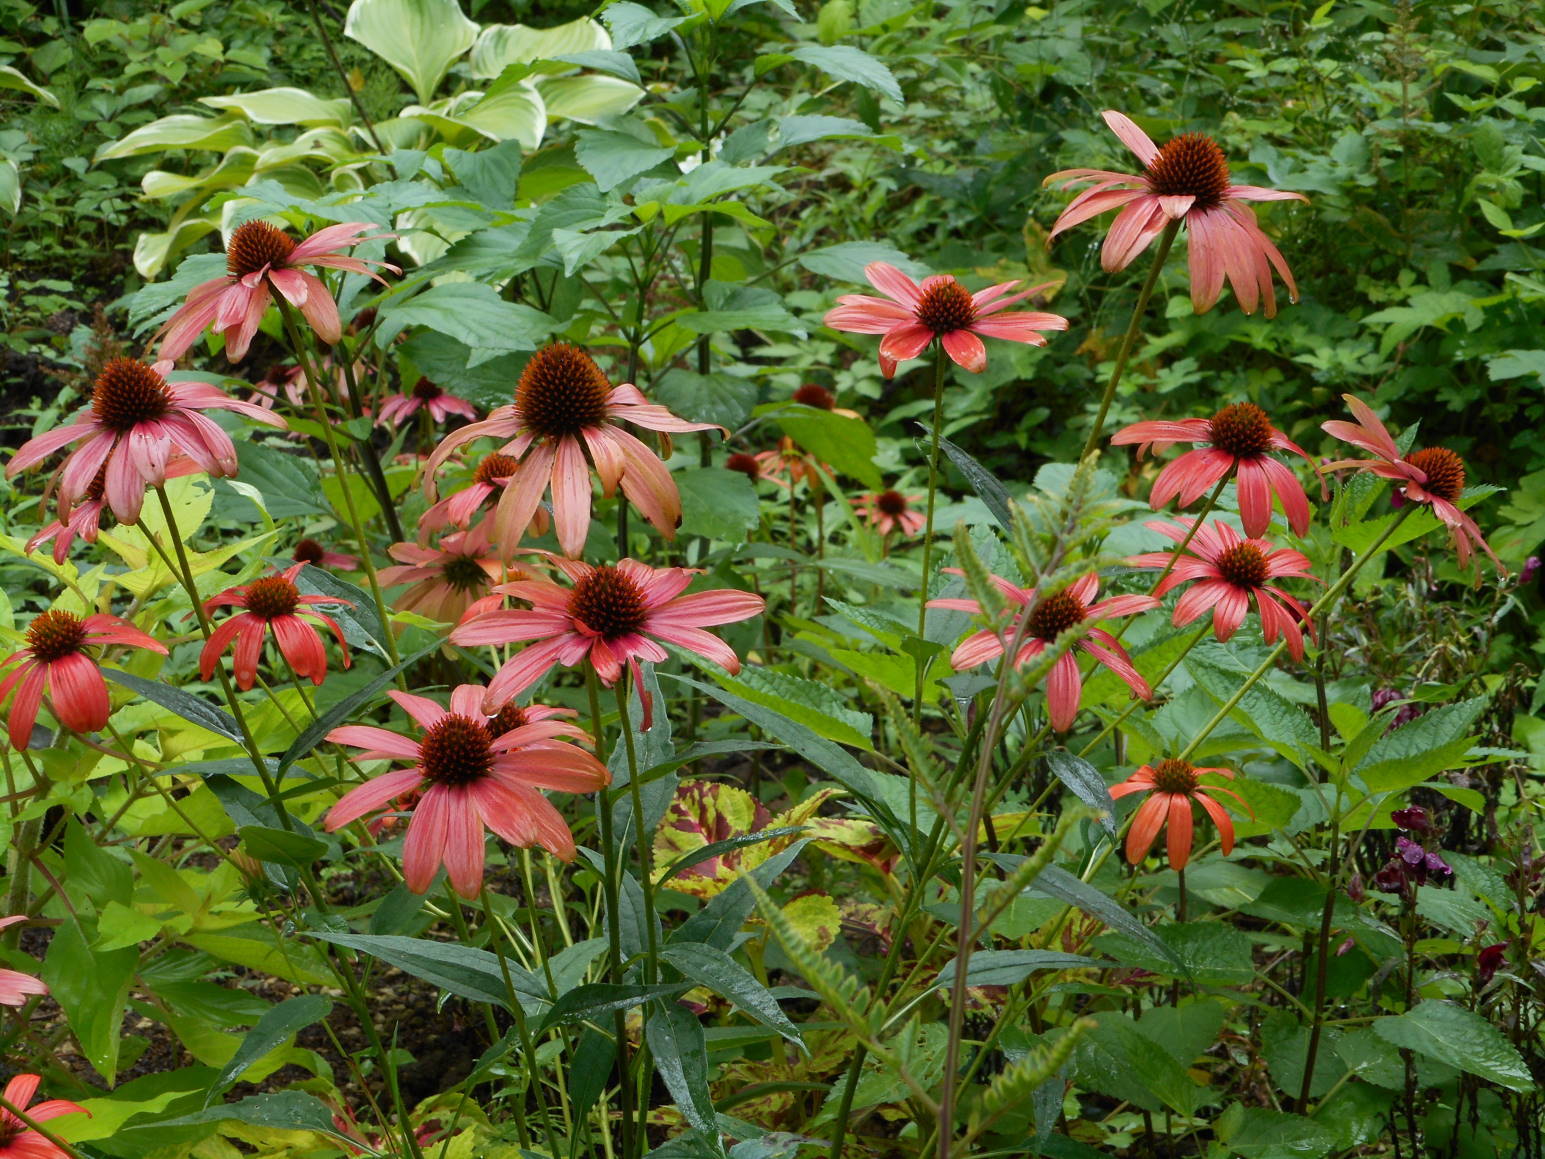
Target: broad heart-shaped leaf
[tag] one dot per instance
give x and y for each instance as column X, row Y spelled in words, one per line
column 1008, row 967
column 1056, row 882
column 588, row 98
column 1215, row 954
column 191, row 708
column 865, row 784
column 1116, row 1059
column 711, row 967
column 500, row 45
column 680, row 1052
column 92, row 988
column 281, row 846
column 718, row 503
column 318, row 729
column 1086, row 784
column 473, row 314
column 418, row 38
column 843, row 62
column 1459, row 1037
column 1420, row 748
column 276, row 1025
column 983, row 482
column 612, row 157
column 279, row 1110
column 465, row 971
column 1261, row 1133
column 846, row 444
column 283, row 106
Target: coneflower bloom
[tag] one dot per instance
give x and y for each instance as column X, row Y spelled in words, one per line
column 610, row 616
column 492, row 476
column 1432, row 475
column 1053, row 615
column 55, row 663
column 1237, row 440
column 16, row 987
column 446, row 579
column 272, row 604
column 890, row 511
column 564, row 410
column 262, row 260
column 19, row 1141
column 746, row 464
column 816, row 395
column 469, row 779
column 136, row 423
column 1226, row 572
column 84, row 519
column 425, row 394
column 289, row 381
column 1187, row 180
column 1172, row 787
column 310, row 551
column 911, row 316
column 788, row 465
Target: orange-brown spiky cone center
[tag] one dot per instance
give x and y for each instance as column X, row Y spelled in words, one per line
column 1172, row 776
column 1243, row 565
column 608, row 603
column 946, row 306
column 1242, row 430
column 254, row 245
column 455, row 751
column 128, row 393
column 1444, row 469
column 1190, row 164
column 272, row 597
column 1055, row 614
column 55, row 635
column 562, row 391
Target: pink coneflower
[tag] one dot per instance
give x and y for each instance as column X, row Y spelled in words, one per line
column 55, row 662
column 1187, row 180
column 911, row 316
column 608, row 618
column 136, row 422
column 446, row 579
column 312, row 552
column 19, row 1141
column 84, row 519
column 788, row 465
column 1173, row 786
column 564, row 410
column 16, row 987
column 274, row 604
column 1052, row 616
column 890, row 511
column 469, row 779
column 746, row 464
column 289, row 381
column 425, row 394
column 262, row 260
column 1226, row 572
column 493, row 475
column 1432, row 475
column 1236, row 440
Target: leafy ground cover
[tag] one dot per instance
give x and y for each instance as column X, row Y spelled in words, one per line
column 757, row 579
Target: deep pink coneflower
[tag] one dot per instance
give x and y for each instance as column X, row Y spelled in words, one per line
column 272, row 604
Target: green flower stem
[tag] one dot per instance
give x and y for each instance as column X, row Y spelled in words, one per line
column 184, row 573
column 1321, row 606
column 1174, row 558
column 32, row 1124
column 368, row 454
column 1129, row 339
column 644, row 837
column 355, row 522
column 933, row 490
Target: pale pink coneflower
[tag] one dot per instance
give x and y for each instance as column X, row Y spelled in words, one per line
column 1187, row 180
column 16, row 987
column 136, row 423
column 469, row 778
column 889, row 512
column 912, row 315
column 262, row 260
column 448, row 578
column 565, row 409
column 399, row 408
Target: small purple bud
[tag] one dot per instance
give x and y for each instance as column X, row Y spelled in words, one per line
column 1435, row 865
column 1412, row 818
column 1531, row 566
column 1397, row 499
column 1409, row 851
column 1383, row 697
column 1391, row 879
column 1488, row 961
column 1356, row 890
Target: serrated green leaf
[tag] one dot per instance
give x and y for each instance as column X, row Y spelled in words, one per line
column 1451, row 1034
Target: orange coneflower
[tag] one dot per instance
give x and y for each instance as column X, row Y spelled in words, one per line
column 1173, row 786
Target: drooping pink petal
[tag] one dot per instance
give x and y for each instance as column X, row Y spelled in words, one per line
column 1131, row 136
column 376, row 793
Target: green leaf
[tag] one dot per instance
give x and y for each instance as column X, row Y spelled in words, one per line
column 1456, row 1036
column 718, row 923
column 1010, row 967
column 289, row 483
column 181, row 131
column 1115, row 1058
column 680, row 1052
column 279, row 1110
column 740, row 308
column 10, row 185
column 595, row 1000
column 632, row 24
column 345, row 708
column 801, row 130
column 473, row 314
column 191, row 708
column 846, row 444
column 356, row 615
column 418, row 38
column 281, row 846
column 845, row 261
column 613, row 157
column 846, row 63
column 821, row 708
column 724, row 399
column 718, row 503
column 1260, row 1133
column 1062, row 885
column 589, row 98
column 728, row 845
column 986, row 485
column 11, row 78
column 283, row 106
column 1085, row 782
column 92, row 988
column 1211, row 953
column 1276, row 720
column 711, row 967
column 1422, row 747
column 271, row 1031
column 500, row 45
column 465, row 971
column 491, row 175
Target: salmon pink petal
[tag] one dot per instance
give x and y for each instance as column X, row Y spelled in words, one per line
column 1131, row 136
column 866, row 316
column 518, row 504
column 423, row 850
column 1103, row 647
column 1161, row 433
column 1257, row 193
column 425, row 712
column 217, row 643
column 464, row 844
column 31, row 679
column 892, row 283
column 1195, row 601
column 20, row 1091
column 1254, row 488
column 467, row 700
column 525, row 668
column 648, row 485
column 1230, row 611
column 301, row 647
column 377, row 793
column 571, row 495
column 975, row 649
column 378, row 742
column 1295, row 503
column 1179, row 834
column 904, row 342
column 1221, row 819
column 37, row 449
column 1146, row 823
column 248, row 651
column 1064, row 687
column 701, row 609
column 704, row 644
column 78, row 693
column 564, row 768
column 1205, row 259
column 1126, row 605
column 1091, row 203
column 1131, row 233
column 965, row 350
column 1019, row 326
